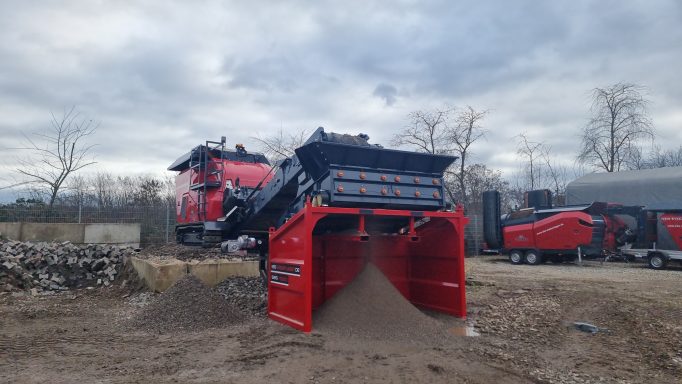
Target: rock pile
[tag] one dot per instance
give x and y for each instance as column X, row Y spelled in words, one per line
column 58, row 266
column 248, row 294
column 187, row 253
column 188, row 305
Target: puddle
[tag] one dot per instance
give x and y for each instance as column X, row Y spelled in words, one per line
column 464, row 330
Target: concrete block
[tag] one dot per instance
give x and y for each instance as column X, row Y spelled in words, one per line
column 52, row 232
column 121, row 234
column 10, row 231
column 214, row 272
column 158, row 275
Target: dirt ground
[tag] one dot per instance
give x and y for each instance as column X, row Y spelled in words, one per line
column 524, row 314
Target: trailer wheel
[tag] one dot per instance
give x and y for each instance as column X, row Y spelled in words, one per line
column 516, row 257
column 533, row 257
column 657, row 261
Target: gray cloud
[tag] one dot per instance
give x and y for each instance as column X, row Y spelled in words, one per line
column 163, row 76
column 387, row 92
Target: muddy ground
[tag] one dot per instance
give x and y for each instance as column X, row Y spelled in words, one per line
column 524, row 315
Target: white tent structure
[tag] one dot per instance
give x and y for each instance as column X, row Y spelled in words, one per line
column 647, row 187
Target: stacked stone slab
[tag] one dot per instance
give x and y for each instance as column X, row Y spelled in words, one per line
column 58, row 266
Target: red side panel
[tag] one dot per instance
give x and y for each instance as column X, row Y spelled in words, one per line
column 673, row 223
column 519, row 236
column 567, row 230
column 290, row 266
column 337, row 259
column 436, row 267
column 426, row 265
column 563, row 231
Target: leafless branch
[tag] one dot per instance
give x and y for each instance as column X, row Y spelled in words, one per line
column 619, row 120
column 282, row 144
column 56, row 154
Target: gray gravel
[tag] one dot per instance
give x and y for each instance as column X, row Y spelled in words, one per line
column 371, row 308
column 187, row 305
column 248, row 294
column 187, row 253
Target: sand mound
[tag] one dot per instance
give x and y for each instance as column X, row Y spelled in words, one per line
column 371, row 308
column 186, row 305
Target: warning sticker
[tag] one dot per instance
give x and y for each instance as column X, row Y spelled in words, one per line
column 280, row 279
column 286, row 269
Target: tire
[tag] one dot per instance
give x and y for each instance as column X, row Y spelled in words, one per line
column 657, row 261
column 533, row 257
column 516, row 257
column 492, row 229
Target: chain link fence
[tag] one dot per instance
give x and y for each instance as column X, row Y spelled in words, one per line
column 473, row 236
column 157, row 221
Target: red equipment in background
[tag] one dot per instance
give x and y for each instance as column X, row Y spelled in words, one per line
column 309, row 263
column 672, row 222
column 533, row 235
column 205, row 173
column 562, row 231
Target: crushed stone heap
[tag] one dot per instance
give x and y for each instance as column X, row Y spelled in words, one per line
column 187, row 305
column 371, row 308
column 56, row 266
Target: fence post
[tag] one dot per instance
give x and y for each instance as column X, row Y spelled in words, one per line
column 476, row 237
column 167, row 221
column 80, row 211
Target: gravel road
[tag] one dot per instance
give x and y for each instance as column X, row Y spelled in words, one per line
column 524, row 315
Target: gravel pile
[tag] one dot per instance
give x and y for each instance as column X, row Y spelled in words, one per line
column 371, row 308
column 180, row 252
column 186, row 305
column 187, row 253
column 58, row 266
column 248, row 294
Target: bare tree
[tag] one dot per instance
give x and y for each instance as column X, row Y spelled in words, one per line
column 57, row 154
column 439, row 132
column 557, row 176
column 281, row 144
column 479, row 179
column 532, row 154
column 463, row 134
column 105, row 184
column 636, row 159
column 659, row 158
column 428, row 132
column 619, row 120
column 78, row 187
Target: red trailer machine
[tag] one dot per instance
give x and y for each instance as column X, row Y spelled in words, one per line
column 533, row 235
column 659, row 235
column 318, row 217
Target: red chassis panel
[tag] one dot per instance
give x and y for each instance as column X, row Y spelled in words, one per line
column 563, row 231
column 673, row 223
column 249, row 174
column 426, row 264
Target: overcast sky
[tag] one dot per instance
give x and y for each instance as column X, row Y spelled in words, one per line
column 163, row 76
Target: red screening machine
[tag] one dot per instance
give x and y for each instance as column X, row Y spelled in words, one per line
column 318, row 217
